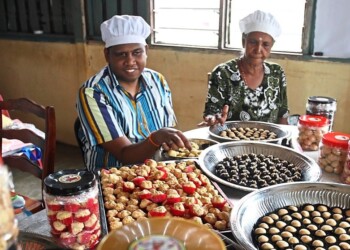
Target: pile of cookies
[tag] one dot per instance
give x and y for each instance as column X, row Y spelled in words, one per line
column 304, row 227
column 250, row 134
column 157, row 189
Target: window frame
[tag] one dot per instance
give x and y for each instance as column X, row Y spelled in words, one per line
column 84, row 16
column 59, row 21
column 307, row 37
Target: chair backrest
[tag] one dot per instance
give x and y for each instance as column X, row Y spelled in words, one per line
column 4, row 112
column 46, row 144
column 77, row 126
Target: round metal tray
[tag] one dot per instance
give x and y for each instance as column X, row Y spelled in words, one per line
column 30, row 241
column 210, row 157
column 256, row 204
column 215, row 130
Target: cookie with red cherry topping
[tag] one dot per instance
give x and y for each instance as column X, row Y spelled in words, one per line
column 158, row 211
column 82, row 215
column 178, row 209
column 144, row 194
column 65, row 217
column 84, row 237
column 51, row 215
column 146, row 185
column 158, row 197
column 218, row 201
column 91, row 222
column 92, row 205
column 189, row 187
column 76, row 227
column 54, row 205
column 128, row 186
column 58, row 227
column 72, row 206
column 138, row 180
column 67, row 238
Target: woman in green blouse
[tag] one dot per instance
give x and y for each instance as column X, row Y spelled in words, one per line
column 249, row 88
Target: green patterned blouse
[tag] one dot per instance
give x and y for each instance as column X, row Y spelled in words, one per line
column 267, row 103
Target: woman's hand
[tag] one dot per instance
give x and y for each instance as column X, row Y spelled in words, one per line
column 210, row 120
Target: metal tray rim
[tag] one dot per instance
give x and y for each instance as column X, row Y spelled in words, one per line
column 283, row 134
column 306, row 190
column 163, row 154
column 103, row 217
column 201, row 161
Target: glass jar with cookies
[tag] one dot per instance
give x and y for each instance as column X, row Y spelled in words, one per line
column 71, row 200
column 8, row 229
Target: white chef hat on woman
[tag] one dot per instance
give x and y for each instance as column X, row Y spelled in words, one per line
column 124, row 29
column 262, row 22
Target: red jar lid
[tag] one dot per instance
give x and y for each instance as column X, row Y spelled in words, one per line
column 313, row 120
column 336, row 139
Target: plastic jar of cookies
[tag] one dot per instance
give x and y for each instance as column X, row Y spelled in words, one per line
column 8, row 223
column 333, row 152
column 323, row 106
column 71, row 200
column 311, row 130
column 345, row 176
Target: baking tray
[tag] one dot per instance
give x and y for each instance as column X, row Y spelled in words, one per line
column 214, row 131
column 103, row 217
column 225, row 234
column 229, row 242
column 33, row 241
column 256, row 204
column 210, row 157
column 202, row 143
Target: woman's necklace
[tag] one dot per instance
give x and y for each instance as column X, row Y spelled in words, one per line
column 240, row 67
column 252, row 85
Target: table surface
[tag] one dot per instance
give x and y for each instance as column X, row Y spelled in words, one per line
column 38, row 223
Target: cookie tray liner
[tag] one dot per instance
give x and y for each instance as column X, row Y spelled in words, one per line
column 226, row 235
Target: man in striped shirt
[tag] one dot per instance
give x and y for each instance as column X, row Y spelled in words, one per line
column 126, row 110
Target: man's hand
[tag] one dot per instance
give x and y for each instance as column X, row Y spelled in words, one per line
column 171, row 138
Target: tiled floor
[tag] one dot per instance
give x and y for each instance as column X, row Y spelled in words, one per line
column 67, row 157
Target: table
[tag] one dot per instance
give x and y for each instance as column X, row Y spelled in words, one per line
column 38, row 223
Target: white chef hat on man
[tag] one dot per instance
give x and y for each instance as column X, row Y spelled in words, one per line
column 262, row 22
column 124, row 29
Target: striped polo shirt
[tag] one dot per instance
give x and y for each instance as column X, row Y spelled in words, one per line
column 107, row 112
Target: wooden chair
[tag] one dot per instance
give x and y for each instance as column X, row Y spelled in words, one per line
column 4, row 112
column 77, row 126
column 47, row 145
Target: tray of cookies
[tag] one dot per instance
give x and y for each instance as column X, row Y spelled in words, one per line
column 248, row 131
column 249, row 166
column 307, row 215
column 158, row 189
column 198, row 145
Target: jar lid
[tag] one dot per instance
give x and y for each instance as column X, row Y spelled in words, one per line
column 69, row 182
column 313, row 120
column 336, row 139
column 321, row 99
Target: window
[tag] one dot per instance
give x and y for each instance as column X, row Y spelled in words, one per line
column 45, row 20
column 186, row 22
column 309, row 27
column 290, row 15
column 62, row 20
column 214, row 23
